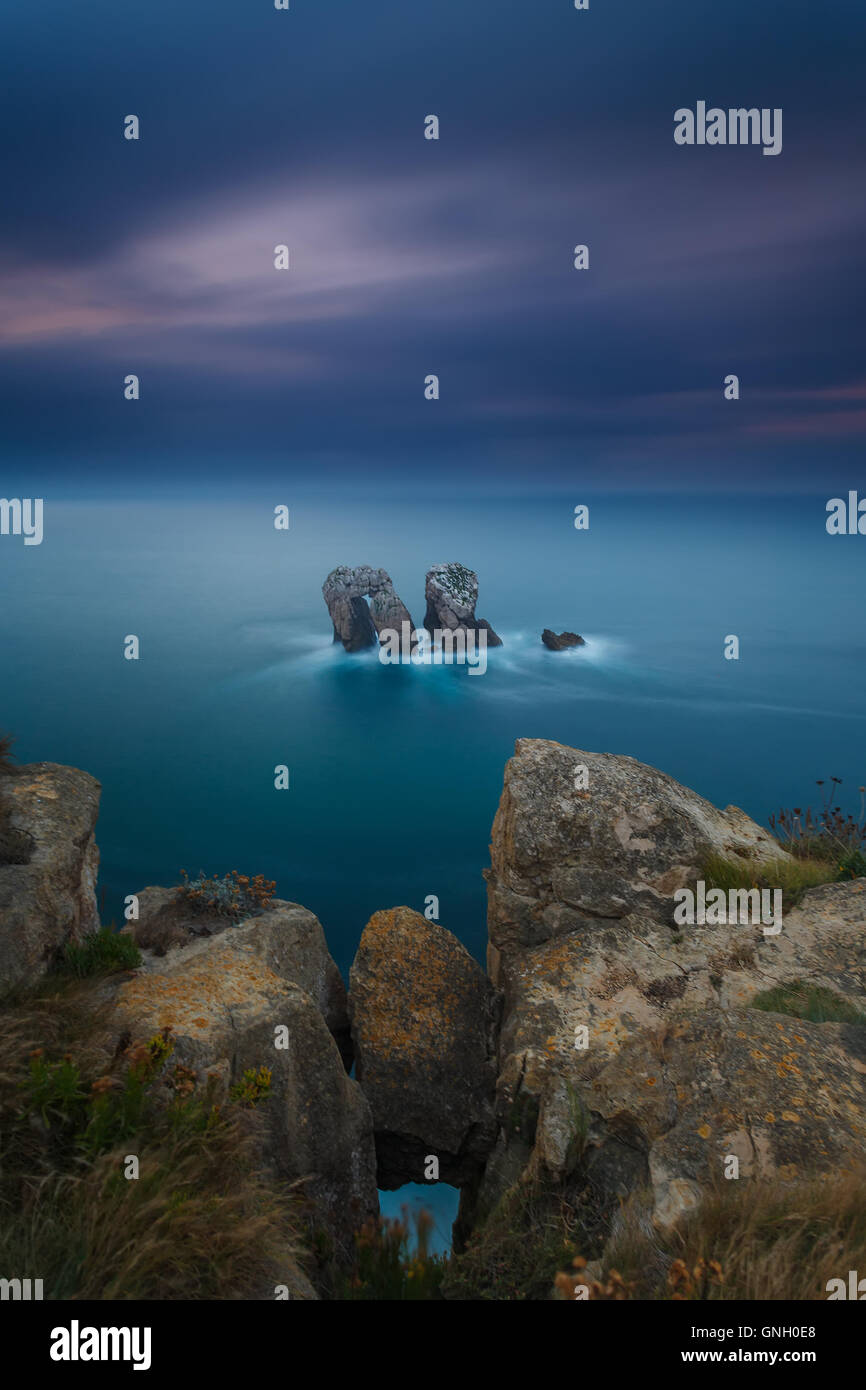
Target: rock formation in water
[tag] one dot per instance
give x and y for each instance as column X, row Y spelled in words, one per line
column 451, row 592
column 558, row 641
column 358, row 624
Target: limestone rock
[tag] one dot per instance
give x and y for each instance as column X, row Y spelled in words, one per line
column 628, row 1044
column 288, row 938
column 558, row 641
column 223, row 999
column 423, row 1024
column 356, row 624
column 48, row 894
column 567, row 857
column 787, row 1098
column 451, row 592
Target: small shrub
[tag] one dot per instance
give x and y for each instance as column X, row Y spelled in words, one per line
column 16, row 846
column 852, row 865
column 99, row 954
column 811, row 1002
column 253, row 1087
column 7, row 763
column 514, row 1254
column 824, row 834
column 234, row 896
column 386, row 1268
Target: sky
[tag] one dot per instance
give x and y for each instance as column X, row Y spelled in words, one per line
column 410, row 257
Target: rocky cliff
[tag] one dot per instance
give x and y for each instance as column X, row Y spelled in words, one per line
column 608, row 1050
column 48, row 867
column 631, row 1046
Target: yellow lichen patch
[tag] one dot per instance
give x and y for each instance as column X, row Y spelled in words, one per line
column 791, row 1117
column 202, row 995
column 704, row 1131
column 770, row 1118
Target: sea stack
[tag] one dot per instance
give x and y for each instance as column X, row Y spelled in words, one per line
column 452, row 593
column 358, row 624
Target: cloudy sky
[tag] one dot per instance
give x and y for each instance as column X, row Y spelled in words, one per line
column 412, row 257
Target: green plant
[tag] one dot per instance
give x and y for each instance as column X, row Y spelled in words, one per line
column 54, row 1090
column 852, row 865
column 579, row 1125
column 811, row 1002
column 514, row 1253
column 253, row 1087
column 99, row 954
column 7, row 764
column 792, row 876
column 200, row 1221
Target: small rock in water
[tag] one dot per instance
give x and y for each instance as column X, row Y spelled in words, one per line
column 558, row 641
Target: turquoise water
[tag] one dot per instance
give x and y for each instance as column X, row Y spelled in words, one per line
column 396, row 771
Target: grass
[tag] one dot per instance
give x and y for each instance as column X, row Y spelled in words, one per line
column 101, row 953
column 793, row 876
column 514, row 1255
column 199, row 1222
column 811, row 1002
column 748, row 1240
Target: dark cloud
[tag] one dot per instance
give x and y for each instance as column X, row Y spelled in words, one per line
column 411, row 257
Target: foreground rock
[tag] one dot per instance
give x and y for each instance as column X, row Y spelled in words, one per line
column 666, row 1112
column 451, row 592
column 48, row 867
column 558, row 641
column 224, row 998
column 567, row 856
column 628, row 1044
column 423, row 1028
column 288, row 938
column 356, row 624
